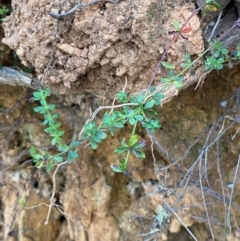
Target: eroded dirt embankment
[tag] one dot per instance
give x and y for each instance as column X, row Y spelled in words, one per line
column 100, row 46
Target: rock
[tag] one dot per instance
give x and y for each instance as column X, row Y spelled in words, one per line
column 100, row 46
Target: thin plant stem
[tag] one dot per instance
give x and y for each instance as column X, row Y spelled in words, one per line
column 53, row 191
column 232, row 192
column 176, row 35
column 180, row 220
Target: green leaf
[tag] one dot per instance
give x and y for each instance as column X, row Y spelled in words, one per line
column 150, row 112
column 132, row 121
column 220, row 60
column 43, row 103
column 47, row 92
column 213, row 63
column 116, row 169
column 219, row 66
column 99, row 136
column 40, row 109
column 58, row 124
column 122, row 96
column 5, row 9
column 158, row 97
column 177, row 26
column 37, row 95
column 112, row 131
column 178, row 78
column 40, row 164
column 123, row 164
column 93, row 145
column 213, row 7
column 51, row 107
column 216, row 53
column 121, row 149
column 224, row 51
column 140, row 144
column 73, row 154
column 54, row 141
column 32, row 151
column 102, row 135
column 36, row 156
column 151, row 125
column 237, row 53
column 49, row 166
column 218, row 6
column 168, row 65
column 123, row 143
column 184, row 65
column 140, row 98
column 60, row 133
column 48, row 130
column 45, row 122
column 165, row 80
column 177, row 84
column 149, row 104
column 138, row 153
column 74, row 144
column 133, row 140
column 139, row 117
column 152, row 89
column 96, row 139
column 118, row 125
column 187, row 58
column 58, row 158
column 51, row 122
column 55, row 116
column 63, row 148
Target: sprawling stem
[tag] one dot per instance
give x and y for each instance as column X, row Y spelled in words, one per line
column 176, row 35
column 207, row 50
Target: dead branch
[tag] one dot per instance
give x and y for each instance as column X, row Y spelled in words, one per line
column 19, row 78
column 78, row 6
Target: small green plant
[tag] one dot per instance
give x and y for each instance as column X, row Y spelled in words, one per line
column 3, row 11
column 65, row 152
column 214, row 63
column 132, row 110
column 187, row 62
column 220, row 56
column 211, row 6
column 172, row 78
column 218, row 49
column 180, row 30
